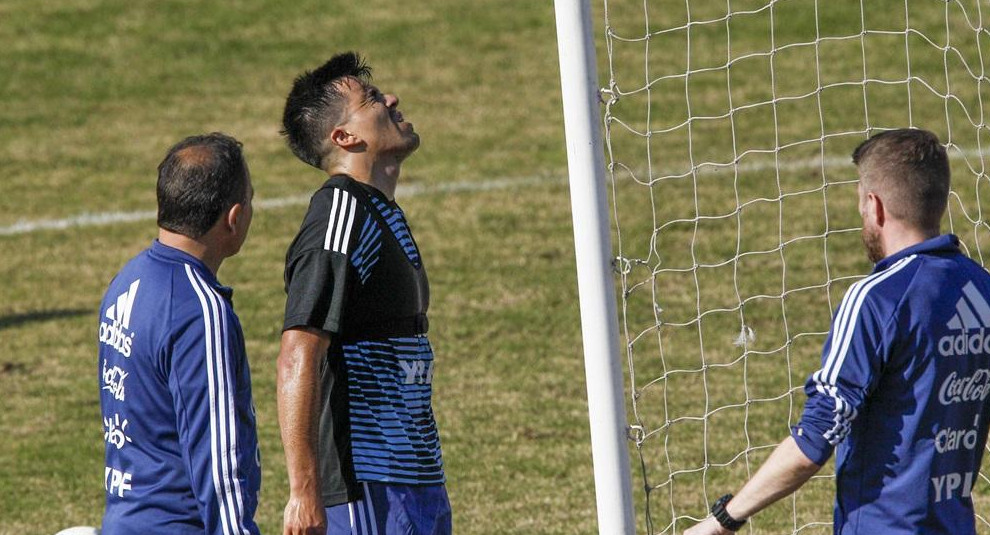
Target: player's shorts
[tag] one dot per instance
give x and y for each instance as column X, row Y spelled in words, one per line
column 388, row 509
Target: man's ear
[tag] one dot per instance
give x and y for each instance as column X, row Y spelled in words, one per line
column 874, row 204
column 344, row 138
column 233, row 215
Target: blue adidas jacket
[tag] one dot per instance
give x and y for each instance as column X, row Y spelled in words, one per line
column 902, row 394
column 175, row 392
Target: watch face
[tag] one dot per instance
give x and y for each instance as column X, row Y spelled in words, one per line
column 720, row 503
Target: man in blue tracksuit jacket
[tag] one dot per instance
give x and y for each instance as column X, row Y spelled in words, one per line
column 901, row 396
column 175, row 389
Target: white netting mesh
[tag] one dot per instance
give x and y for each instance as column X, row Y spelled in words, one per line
column 729, row 128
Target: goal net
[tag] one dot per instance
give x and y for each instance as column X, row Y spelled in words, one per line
column 728, row 131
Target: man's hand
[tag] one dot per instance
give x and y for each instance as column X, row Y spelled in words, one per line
column 304, row 516
column 782, row 473
column 708, row 526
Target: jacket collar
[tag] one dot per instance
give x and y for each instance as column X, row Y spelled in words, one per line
column 171, row 254
column 939, row 245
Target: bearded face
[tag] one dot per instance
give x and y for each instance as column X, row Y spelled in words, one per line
column 872, row 241
column 871, row 231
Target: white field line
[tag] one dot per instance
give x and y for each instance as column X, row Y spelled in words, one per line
column 416, row 190
column 411, row 190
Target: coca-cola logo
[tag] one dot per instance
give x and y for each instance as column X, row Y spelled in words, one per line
column 956, row 389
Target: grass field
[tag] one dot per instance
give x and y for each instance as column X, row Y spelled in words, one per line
column 94, row 91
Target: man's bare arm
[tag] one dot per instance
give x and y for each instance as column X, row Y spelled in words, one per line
column 784, row 472
column 298, row 386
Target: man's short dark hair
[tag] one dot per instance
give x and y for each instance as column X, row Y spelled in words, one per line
column 200, row 178
column 909, row 168
column 315, row 105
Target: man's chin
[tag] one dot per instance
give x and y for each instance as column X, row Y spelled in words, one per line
column 408, row 146
column 873, row 246
column 412, row 141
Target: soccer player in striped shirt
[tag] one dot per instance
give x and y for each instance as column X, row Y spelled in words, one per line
column 175, row 389
column 901, row 396
column 355, row 368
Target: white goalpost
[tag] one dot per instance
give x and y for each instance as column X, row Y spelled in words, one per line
column 726, row 133
column 592, row 248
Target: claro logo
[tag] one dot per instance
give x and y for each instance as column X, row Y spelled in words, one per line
column 956, row 389
column 956, row 439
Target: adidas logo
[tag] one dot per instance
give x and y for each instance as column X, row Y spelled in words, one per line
column 972, row 314
column 115, row 332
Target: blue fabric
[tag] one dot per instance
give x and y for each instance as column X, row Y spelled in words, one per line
column 175, row 394
column 394, row 437
column 366, row 254
column 396, row 220
column 393, row 510
column 901, row 396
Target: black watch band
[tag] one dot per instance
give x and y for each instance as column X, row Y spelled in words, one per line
column 720, row 514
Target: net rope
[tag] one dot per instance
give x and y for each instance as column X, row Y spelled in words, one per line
column 728, row 132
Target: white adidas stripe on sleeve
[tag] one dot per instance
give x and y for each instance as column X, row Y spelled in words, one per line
column 340, row 222
column 223, row 441
column 842, row 335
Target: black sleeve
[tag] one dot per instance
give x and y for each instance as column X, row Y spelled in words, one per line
column 317, row 267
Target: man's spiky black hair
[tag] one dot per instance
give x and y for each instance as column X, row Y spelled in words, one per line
column 315, row 105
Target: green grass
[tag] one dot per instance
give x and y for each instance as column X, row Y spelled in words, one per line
column 94, row 92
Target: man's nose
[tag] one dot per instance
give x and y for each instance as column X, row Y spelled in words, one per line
column 391, row 100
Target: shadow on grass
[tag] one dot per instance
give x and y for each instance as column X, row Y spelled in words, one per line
column 16, row 320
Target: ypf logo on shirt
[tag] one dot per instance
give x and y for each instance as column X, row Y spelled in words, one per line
column 972, row 318
column 115, row 327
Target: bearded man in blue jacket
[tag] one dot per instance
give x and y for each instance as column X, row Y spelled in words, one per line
column 901, row 396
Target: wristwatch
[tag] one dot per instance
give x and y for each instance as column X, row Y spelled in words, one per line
column 720, row 514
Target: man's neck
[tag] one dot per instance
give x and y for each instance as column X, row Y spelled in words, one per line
column 194, row 247
column 381, row 173
column 897, row 239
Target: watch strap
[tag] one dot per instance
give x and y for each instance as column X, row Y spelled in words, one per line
column 723, row 517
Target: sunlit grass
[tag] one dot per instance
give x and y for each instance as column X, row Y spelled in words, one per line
column 95, row 91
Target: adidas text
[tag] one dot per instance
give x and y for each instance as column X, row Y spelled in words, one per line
column 114, row 329
column 964, row 343
column 114, row 336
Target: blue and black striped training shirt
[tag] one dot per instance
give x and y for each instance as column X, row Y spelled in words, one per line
column 355, row 272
